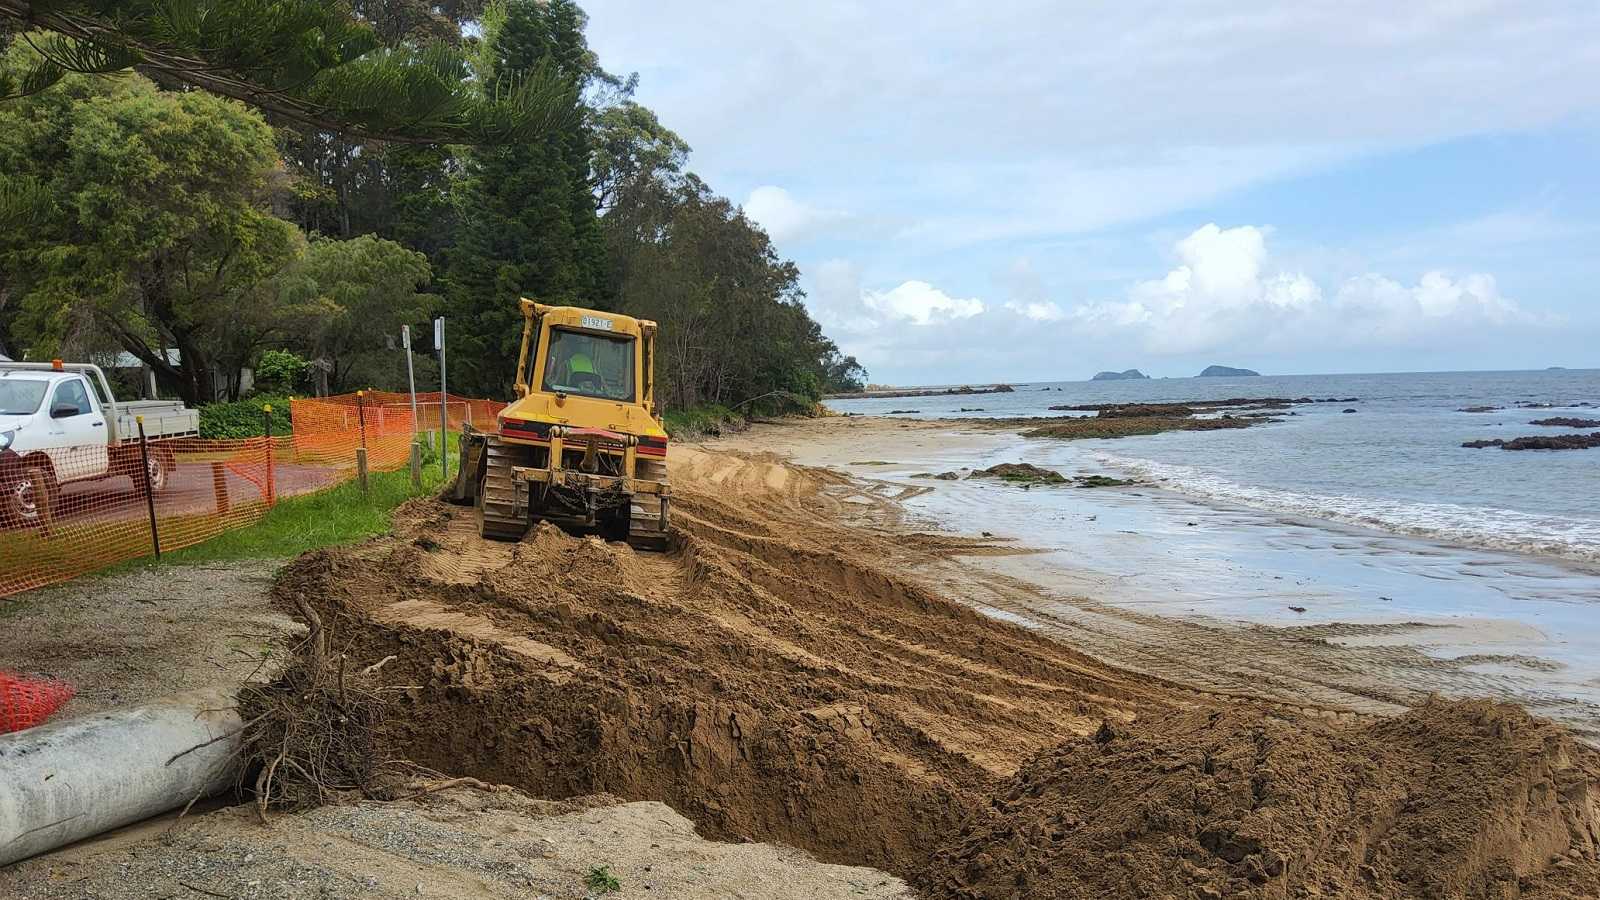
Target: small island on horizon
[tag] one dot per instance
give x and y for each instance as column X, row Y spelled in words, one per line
column 1124, row 375
column 1226, row 372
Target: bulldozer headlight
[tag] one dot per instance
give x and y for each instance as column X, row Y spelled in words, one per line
column 6, row 438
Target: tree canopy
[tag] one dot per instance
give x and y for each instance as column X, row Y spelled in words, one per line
column 140, row 214
column 527, row 217
column 308, row 61
column 345, row 301
column 155, row 235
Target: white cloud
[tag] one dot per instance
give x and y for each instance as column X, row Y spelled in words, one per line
column 786, row 218
column 1038, row 311
column 1035, row 117
column 920, row 303
column 1223, row 295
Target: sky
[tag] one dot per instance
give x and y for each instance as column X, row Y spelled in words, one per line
column 1033, row 191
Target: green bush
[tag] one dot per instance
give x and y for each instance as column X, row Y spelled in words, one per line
column 278, row 371
column 601, row 881
column 699, row 421
column 245, row 418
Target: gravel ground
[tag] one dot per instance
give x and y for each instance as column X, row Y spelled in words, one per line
column 146, row 633
column 458, row 843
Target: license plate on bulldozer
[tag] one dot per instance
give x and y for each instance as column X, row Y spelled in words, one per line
column 597, row 323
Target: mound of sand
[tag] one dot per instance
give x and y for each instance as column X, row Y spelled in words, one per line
column 764, row 679
column 1465, row 799
column 771, row 679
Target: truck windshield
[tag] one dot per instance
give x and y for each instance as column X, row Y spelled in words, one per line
column 20, row 398
column 589, row 365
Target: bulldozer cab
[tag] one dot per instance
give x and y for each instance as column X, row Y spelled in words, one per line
column 589, row 365
column 574, row 354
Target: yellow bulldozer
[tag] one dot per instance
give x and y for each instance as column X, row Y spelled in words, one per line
column 582, row 445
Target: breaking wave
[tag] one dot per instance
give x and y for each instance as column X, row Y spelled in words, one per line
column 1477, row 526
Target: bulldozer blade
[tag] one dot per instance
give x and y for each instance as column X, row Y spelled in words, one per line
column 464, row 490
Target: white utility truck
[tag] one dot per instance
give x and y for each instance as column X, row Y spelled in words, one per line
column 59, row 423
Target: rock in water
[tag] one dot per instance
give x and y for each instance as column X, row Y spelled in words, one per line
column 1022, row 473
column 1226, row 372
column 1124, row 375
column 1541, row 442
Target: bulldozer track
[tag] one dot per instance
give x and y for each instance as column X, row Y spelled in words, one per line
column 497, row 508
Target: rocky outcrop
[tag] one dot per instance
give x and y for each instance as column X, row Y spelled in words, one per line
column 1075, row 427
column 1029, row 475
column 1124, row 375
column 1226, row 372
column 1187, row 407
column 889, row 394
column 1025, row 473
column 1542, row 442
column 1567, row 422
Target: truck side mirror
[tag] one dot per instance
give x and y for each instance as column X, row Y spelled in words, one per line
column 63, row 410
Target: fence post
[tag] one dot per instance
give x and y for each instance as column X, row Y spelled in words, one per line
column 219, row 487
column 272, row 487
column 416, row 464
column 361, row 468
column 361, row 411
column 149, row 494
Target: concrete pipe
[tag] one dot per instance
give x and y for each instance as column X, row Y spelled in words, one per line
column 74, row 779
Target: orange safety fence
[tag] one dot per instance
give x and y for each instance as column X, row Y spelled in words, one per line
column 68, row 511
column 26, row 702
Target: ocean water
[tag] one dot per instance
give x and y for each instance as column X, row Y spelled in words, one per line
column 1482, row 560
column 1394, row 465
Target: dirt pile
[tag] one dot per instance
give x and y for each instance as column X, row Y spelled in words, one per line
column 1464, row 799
column 772, row 679
column 763, row 679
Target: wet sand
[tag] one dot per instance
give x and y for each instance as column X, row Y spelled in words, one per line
column 1226, row 598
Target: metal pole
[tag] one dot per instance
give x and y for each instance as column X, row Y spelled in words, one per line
column 149, row 494
column 444, row 411
column 411, row 377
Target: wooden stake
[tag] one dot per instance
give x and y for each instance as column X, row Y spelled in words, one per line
column 219, row 487
column 361, row 468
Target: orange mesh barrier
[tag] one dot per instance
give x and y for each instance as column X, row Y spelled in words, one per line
column 26, row 702
column 65, row 512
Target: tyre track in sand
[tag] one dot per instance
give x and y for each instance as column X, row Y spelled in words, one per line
column 778, row 676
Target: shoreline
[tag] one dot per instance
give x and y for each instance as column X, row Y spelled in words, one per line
column 1136, row 600
column 817, row 664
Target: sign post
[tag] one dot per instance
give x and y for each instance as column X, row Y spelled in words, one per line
column 444, row 411
column 411, row 377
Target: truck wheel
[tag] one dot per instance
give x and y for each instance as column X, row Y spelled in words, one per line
column 158, row 473
column 31, row 498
